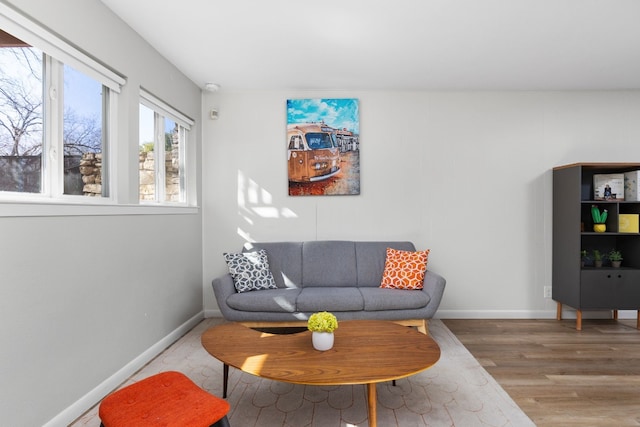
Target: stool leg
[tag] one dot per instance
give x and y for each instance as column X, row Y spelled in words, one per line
column 225, row 379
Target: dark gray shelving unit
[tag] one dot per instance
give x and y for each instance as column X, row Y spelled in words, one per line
column 588, row 287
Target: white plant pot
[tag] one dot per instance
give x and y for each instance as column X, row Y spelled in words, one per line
column 322, row 340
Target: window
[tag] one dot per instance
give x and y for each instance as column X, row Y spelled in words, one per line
column 31, row 125
column 56, row 106
column 163, row 138
column 58, row 124
column 83, row 132
column 21, row 116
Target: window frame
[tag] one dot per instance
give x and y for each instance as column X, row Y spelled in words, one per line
column 28, row 31
column 57, row 53
column 163, row 110
column 46, row 203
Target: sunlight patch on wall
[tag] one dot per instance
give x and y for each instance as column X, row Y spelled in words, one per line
column 245, row 236
column 255, row 203
column 266, row 211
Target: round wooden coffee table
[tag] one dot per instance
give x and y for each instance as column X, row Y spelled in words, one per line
column 365, row 352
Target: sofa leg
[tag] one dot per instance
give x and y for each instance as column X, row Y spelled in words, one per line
column 421, row 324
column 424, row 328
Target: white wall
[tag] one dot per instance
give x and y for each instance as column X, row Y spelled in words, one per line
column 75, row 314
column 466, row 174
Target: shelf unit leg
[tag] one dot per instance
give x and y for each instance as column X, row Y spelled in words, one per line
column 638, row 320
column 559, row 311
column 578, row 320
column 615, row 314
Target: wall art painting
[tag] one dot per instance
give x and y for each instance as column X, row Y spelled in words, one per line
column 323, row 147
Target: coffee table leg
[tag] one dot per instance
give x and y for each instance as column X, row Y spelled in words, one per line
column 371, row 397
column 225, row 379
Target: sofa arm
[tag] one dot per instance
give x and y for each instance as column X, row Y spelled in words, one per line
column 434, row 285
column 223, row 288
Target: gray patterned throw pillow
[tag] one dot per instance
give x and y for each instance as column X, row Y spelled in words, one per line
column 250, row 271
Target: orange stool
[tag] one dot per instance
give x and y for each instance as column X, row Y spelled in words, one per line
column 165, row 399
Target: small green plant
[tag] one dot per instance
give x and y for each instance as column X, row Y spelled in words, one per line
column 598, row 217
column 615, row 255
column 584, row 257
column 597, row 256
column 322, row 321
column 146, row 147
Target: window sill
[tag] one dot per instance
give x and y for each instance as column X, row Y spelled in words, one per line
column 25, row 209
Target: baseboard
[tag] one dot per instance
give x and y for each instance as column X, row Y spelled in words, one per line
column 567, row 313
column 570, row 313
column 90, row 399
column 212, row 313
column 495, row 314
column 625, row 314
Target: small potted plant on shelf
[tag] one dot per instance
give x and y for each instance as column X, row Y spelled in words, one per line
column 583, row 257
column 597, row 258
column 322, row 325
column 599, row 219
column 615, row 256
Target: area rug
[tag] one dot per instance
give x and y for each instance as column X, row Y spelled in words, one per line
column 457, row 391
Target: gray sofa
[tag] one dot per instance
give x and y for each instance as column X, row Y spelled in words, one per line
column 342, row 277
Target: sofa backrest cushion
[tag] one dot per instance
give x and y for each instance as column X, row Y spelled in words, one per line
column 370, row 259
column 329, row 263
column 285, row 260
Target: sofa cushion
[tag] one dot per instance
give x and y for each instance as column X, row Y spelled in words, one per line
column 370, row 259
column 379, row 299
column 404, row 269
column 312, row 299
column 285, row 261
column 250, row 271
column 272, row 301
column 329, row 263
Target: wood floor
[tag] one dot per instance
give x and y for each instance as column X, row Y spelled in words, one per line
column 557, row 375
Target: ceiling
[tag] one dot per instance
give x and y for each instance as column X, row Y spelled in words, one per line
column 395, row 45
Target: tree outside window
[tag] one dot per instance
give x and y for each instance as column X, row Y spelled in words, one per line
column 25, row 76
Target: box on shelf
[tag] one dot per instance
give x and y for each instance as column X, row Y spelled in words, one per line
column 632, row 186
column 608, row 186
column 628, row 223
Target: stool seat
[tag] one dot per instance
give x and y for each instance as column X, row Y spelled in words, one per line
column 165, row 399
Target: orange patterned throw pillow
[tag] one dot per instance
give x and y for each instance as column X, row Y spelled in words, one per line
column 404, row 269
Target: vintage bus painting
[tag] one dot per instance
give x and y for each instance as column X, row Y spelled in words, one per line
column 313, row 152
